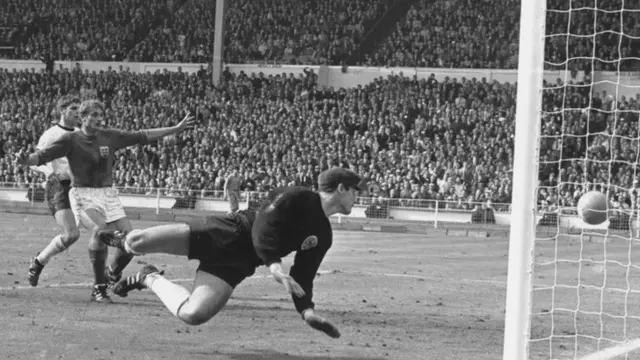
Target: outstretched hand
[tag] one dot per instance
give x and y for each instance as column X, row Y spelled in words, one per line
column 321, row 324
column 187, row 123
column 290, row 285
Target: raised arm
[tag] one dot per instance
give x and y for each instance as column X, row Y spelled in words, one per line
column 122, row 139
column 155, row 134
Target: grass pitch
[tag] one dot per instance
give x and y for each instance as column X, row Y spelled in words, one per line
column 393, row 296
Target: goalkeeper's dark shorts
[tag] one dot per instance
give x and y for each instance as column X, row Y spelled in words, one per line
column 57, row 194
column 224, row 248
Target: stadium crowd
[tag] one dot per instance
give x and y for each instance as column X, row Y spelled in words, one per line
column 463, row 34
column 440, row 33
column 304, row 31
column 485, row 34
column 415, row 140
column 81, row 30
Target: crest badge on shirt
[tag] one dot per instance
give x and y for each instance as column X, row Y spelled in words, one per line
column 104, row 151
column 309, row 243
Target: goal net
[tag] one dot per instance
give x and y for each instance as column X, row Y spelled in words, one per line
column 584, row 291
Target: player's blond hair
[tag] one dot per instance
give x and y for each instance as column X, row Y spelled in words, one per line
column 65, row 101
column 89, row 106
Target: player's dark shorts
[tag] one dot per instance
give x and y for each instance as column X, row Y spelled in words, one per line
column 224, row 248
column 58, row 195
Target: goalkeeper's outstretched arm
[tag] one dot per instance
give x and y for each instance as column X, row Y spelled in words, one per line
column 305, row 267
column 299, row 282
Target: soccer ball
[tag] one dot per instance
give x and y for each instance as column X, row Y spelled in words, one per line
column 593, row 207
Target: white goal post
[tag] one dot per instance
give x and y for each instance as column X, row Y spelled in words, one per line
column 573, row 291
column 525, row 179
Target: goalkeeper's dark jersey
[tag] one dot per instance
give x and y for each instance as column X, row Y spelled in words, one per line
column 293, row 220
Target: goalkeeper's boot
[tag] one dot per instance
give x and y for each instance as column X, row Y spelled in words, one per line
column 35, row 268
column 99, row 294
column 113, row 238
column 112, row 278
column 135, row 282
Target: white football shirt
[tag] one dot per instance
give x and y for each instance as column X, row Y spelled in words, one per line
column 59, row 166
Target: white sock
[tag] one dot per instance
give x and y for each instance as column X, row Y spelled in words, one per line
column 171, row 295
column 54, row 248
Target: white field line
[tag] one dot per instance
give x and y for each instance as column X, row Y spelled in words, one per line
column 497, row 283
column 615, row 351
column 322, row 272
column 61, row 285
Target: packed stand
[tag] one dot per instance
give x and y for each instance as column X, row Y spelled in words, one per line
column 415, row 141
column 485, row 34
column 305, row 32
column 434, row 33
column 184, row 37
column 588, row 144
column 78, row 30
column 291, row 32
column 614, row 32
column 412, row 150
column 453, row 34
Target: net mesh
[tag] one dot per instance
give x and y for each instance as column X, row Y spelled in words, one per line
column 586, row 294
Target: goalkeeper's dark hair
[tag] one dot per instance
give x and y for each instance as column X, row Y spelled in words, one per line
column 65, row 101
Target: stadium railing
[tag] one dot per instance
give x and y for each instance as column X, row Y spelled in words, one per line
column 426, row 213
column 433, row 213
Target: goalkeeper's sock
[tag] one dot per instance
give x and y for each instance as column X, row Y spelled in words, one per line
column 55, row 247
column 173, row 296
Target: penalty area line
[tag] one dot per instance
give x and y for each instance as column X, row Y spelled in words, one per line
column 499, row 283
column 86, row 284
column 615, row 351
column 264, row 276
column 63, row 285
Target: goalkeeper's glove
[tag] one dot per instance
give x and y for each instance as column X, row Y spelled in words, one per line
column 290, row 285
column 321, row 324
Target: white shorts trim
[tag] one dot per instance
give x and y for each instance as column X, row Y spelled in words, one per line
column 104, row 200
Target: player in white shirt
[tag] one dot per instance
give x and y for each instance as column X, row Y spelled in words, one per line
column 57, row 188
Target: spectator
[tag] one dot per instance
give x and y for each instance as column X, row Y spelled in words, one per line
column 302, row 31
column 417, row 140
column 81, row 30
column 466, row 34
column 484, row 34
column 232, row 189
